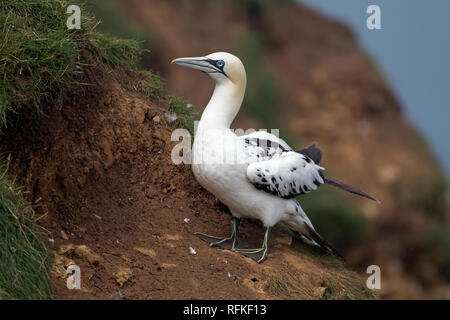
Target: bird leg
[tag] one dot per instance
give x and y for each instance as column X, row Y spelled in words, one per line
column 258, row 254
column 230, row 242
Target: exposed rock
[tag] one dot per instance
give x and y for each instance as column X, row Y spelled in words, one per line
column 123, row 275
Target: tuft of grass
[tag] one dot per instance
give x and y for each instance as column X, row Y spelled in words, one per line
column 288, row 286
column 280, row 285
column 355, row 288
column 342, row 285
column 348, row 286
column 185, row 116
column 25, row 261
column 339, row 223
column 40, row 57
column 153, row 87
column 330, row 291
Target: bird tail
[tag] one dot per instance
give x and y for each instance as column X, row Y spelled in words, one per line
column 315, row 154
column 348, row 188
column 313, row 236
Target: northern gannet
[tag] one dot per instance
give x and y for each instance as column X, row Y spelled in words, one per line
column 256, row 175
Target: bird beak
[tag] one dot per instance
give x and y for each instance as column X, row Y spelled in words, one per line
column 199, row 63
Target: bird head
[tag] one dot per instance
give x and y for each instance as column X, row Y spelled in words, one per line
column 223, row 67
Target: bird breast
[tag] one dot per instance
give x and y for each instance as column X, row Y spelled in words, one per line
column 217, row 161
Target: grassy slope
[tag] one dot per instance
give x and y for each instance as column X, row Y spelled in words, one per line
column 24, row 258
column 40, row 58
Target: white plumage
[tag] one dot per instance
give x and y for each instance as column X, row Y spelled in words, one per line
column 286, row 175
column 256, row 175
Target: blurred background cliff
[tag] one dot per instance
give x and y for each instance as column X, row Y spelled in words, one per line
column 315, row 76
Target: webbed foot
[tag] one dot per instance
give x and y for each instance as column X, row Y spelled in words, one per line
column 258, row 254
column 229, row 243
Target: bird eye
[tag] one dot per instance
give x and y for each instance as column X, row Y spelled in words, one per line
column 220, row 63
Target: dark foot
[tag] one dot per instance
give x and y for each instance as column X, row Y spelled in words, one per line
column 229, row 243
column 258, row 255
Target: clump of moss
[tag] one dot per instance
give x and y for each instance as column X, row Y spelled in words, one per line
column 185, row 116
column 24, row 259
column 153, row 86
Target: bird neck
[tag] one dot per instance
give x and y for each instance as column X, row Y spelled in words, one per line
column 223, row 106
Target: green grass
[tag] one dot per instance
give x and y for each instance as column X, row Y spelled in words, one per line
column 330, row 291
column 345, row 285
column 352, row 287
column 288, row 286
column 185, row 116
column 24, row 259
column 40, row 57
column 153, row 86
column 356, row 288
column 327, row 259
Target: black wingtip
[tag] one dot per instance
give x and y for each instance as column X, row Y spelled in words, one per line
column 312, row 152
column 321, row 242
column 349, row 188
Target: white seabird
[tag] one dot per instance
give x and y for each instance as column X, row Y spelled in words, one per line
column 257, row 175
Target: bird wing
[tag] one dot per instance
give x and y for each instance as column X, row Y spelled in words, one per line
column 275, row 168
column 285, row 175
column 261, row 145
column 312, row 152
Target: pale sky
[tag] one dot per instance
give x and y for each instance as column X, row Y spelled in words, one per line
column 413, row 51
